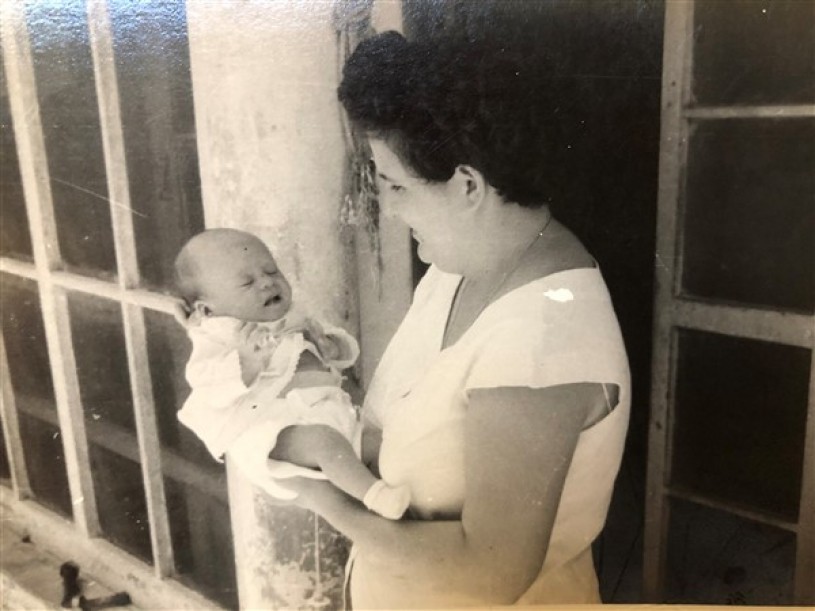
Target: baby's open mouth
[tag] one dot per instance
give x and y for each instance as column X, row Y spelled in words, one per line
column 273, row 300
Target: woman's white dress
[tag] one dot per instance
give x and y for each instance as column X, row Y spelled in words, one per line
column 559, row 329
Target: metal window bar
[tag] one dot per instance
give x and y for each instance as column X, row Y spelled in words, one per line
column 672, row 153
column 55, row 284
column 750, row 112
column 93, row 286
column 673, row 311
column 40, row 210
column 107, row 92
column 113, row 439
column 11, row 429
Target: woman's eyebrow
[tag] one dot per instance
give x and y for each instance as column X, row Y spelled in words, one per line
column 385, row 177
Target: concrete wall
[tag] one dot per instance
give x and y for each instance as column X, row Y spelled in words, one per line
column 269, row 139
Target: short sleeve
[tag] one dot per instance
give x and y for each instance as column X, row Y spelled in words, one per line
column 511, row 355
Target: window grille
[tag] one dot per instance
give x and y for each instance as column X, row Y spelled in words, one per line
column 103, row 302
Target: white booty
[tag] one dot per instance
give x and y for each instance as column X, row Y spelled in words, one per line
column 387, row 501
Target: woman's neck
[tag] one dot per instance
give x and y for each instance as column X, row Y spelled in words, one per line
column 508, row 239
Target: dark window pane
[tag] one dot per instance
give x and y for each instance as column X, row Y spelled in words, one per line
column 739, row 421
column 202, row 540
column 15, row 238
column 44, row 457
column 717, row 558
column 104, row 385
column 750, row 218
column 24, row 334
column 119, row 491
column 754, row 52
column 152, row 62
column 101, row 361
column 32, row 385
column 70, row 117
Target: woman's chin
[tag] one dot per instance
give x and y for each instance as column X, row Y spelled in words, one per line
column 421, row 251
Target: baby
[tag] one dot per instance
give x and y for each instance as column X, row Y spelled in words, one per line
column 265, row 380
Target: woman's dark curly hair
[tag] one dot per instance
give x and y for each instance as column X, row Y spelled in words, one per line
column 442, row 103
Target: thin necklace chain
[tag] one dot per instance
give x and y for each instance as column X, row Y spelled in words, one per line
column 494, row 292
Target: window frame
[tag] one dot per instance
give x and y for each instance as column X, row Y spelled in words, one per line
column 673, row 309
column 81, row 539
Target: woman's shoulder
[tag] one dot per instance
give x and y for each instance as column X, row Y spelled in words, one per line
column 557, row 329
column 569, row 293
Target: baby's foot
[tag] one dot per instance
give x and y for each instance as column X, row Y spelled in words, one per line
column 387, row 501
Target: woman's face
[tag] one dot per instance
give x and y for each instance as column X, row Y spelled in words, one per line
column 432, row 210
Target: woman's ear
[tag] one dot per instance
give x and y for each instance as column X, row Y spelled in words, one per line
column 471, row 182
column 201, row 308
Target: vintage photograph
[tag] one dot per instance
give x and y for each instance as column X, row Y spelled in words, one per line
column 407, row 304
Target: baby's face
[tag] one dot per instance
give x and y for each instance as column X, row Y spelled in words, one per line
column 240, row 279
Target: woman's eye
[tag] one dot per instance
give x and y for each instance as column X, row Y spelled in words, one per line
column 396, row 188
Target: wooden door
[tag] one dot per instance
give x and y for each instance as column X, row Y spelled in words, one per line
column 732, row 422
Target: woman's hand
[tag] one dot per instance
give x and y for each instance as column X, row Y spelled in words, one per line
column 483, row 558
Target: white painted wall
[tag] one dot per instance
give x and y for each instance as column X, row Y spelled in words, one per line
column 270, row 145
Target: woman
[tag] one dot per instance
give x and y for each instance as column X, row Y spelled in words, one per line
column 502, row 400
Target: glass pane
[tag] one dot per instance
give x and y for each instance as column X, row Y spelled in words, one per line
column 24, row 334
column 70, row 117
column 202, row 541
column 101, row 361
column 120, row 497
column 45, row 459
column 15, row 238
column 152, row 62
column 754, row 52
column 716, row 558
column 33, row 389
column 750, row 219
column 104, row 385
column 739, row 421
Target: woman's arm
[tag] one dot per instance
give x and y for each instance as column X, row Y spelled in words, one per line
column 519, row 444
column 371, row 442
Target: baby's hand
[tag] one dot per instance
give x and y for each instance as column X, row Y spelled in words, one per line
column 327, row 347
column 253, row 359
column 246, row 334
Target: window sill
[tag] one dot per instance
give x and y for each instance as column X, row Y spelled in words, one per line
column 56, row 538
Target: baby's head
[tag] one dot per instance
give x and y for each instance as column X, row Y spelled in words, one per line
column 226, row 272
